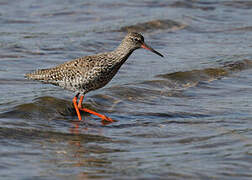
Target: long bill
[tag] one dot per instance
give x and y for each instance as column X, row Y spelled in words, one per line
column 145, row 46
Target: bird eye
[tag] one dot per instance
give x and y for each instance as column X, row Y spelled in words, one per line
column 136, row 39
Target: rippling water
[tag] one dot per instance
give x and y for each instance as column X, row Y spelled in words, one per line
column 187, row 116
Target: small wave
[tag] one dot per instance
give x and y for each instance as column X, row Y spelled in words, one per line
column 193, row 5
column 18, row 21
column 154, row 25
column 174, row 115
column 35, row 134
column 42, row 108
column 191, row 78
column 238, row 4
column 49, row 108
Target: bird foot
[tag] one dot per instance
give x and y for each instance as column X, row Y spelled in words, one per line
column 78, row 108
column 105, row 118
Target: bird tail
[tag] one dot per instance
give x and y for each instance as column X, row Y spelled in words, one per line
column 37, row 75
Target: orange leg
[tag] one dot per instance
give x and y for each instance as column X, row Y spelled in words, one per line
column 80, row 102
column 79, row 107
column 76, row 106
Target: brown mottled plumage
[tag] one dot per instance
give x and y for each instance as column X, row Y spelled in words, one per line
column 91, row 72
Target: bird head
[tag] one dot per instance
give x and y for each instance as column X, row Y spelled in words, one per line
column 136, row 41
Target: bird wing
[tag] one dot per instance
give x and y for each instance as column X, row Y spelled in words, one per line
column 70, row 69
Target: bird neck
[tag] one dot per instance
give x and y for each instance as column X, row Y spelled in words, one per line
column 123, row 52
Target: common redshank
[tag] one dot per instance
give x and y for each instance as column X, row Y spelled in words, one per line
column 91, row 72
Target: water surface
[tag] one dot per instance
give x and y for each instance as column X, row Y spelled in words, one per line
column 185, row 116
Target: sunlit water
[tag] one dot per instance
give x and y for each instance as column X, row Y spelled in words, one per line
column 185, row 116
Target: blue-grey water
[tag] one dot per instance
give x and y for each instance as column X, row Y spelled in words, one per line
column 185, row 116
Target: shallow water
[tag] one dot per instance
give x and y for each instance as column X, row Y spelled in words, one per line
column 185, row 116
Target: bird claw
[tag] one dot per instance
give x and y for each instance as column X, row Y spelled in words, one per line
column 105, row 118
